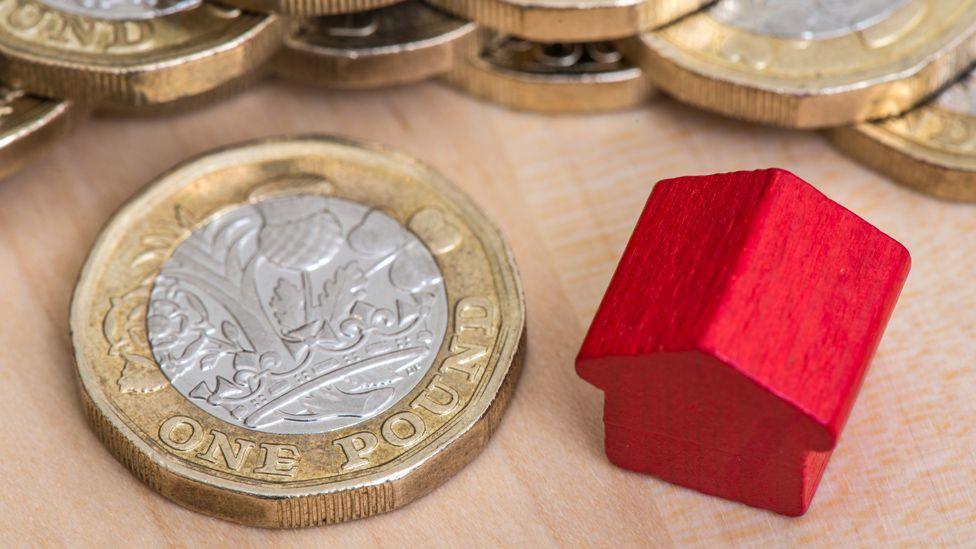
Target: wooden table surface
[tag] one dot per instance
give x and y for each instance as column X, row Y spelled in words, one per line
column 567, row 191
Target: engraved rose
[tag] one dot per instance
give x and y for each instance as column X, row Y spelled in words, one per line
column 298, row 233
column 177, row 331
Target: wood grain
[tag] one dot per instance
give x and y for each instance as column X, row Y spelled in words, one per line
column 567, row 191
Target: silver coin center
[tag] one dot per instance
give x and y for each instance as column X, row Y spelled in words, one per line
column 805, row 19
column 297, row 315
column 122, row 9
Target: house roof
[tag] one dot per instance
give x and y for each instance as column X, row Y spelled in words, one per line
column 764, row 272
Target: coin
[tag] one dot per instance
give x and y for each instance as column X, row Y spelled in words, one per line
column 403, row 43
column 554, row 78
column 122, row 9
column 931, row 148
column 28, row 124
column 571, row 21
column 131, row 63
column 807, row 64
column 297, row 331
column 311, row 7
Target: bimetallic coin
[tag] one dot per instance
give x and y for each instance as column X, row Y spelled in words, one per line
column 29, row 124
column 395, row 45
column 571, row 20
column 297, row 331
column 122, row 9
column 311, row 7
column 809, row 64
column 554, row 78
column 931, row 148
column 132, row 63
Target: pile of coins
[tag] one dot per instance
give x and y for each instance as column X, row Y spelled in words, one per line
column 887, row 77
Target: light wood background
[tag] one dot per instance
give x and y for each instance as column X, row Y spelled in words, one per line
column 567, row 191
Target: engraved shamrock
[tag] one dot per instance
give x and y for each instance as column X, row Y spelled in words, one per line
column 414, row 270
column 379, row 235
column 376, row 235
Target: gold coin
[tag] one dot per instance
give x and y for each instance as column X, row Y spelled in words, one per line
column 311, row 7
column 297, row 331
column 554, row 78
column 931, row 148
column 28, row 125
column 808, row 64
column 131, row 63
column 571, row 21
column 395, row 45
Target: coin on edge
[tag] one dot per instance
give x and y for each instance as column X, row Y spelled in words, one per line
column 553, row 78
column 311, row 7
column 29, row 124
column 403, row 43
column 572, row 20
column 806, row 64
column 297, row 331
column 931, row 148
column 132, row 63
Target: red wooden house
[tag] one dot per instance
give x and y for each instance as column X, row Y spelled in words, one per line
column 735, row 334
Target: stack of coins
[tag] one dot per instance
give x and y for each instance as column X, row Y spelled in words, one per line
column 873, row 72
column 397, row 44
column 870, row 71
column 837, row 66
column 555, row 56
column 61, row 58
column 538, row 55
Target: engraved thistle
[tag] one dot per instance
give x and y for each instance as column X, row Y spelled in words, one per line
column 297, row 314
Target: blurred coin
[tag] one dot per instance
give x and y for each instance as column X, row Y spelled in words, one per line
column 571, row 21
column 555, row 78
column 29, row 124
column 122, row 9
column 311, row 7
column 931, row 148
column 395, row 45
column 131, row 63
column 808, row 64
column 297, row 331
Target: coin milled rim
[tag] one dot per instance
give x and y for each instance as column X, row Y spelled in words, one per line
column 941, row 174
column 314, row 501
column 571, row 20
column 311, row 7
